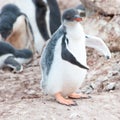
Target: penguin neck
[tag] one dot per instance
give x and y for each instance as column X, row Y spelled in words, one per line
column 76, row 41
column 75, row 31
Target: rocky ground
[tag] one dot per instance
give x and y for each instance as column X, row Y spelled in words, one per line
column 22, row 99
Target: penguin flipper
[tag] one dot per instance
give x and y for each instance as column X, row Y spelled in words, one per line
column 98, row 44
column 12, row 63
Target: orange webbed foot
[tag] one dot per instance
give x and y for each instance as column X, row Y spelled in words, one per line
column 64, row 101
column 78, row 96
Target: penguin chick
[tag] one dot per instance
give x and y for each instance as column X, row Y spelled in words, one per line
column 13, row 58
column 15, row 27
column 63, row 61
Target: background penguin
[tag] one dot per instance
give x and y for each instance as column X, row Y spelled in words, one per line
column 48, row 19
column 41, row 10
column 44, row 17
column 54, row 15
column 63, row 61
column 13, row 58
column 15, row 27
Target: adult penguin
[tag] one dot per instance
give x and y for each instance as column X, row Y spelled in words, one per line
column 13, row 58
column 15, row 27
column 48, row 19
column 63, row 62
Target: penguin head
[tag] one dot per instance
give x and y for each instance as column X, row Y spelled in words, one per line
column 11, row 8
column 8, row 16
column 71, row 15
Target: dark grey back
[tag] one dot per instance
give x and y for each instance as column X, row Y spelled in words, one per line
column 48, row 54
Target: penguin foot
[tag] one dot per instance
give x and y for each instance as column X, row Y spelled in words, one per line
column 64, row 101
column 78, row 96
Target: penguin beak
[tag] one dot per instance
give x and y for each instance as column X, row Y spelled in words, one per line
column 77, row 18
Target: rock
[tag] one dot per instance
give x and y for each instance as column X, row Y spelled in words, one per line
column 74, row 116
column 106, row 7
column 30, row 92
column 89, row 88
column 64, row 4
column 110, row 86
column 105, row 28
column 105, row 22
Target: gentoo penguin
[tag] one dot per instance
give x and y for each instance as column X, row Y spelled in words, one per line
column 48, row 19
column 13, row 58
column 15, row 27
column 63, row 61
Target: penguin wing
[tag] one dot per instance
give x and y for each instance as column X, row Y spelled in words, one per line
column 67, row 55
column 48, row 52
column 41, row 10
column 98, row 44
column 6, row 48
column 55, row 15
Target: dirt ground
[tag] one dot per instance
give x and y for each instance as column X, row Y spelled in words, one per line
column 105, row 106
column 22, row 99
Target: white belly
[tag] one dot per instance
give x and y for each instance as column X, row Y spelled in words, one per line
column 64, row 77
column 73, row 77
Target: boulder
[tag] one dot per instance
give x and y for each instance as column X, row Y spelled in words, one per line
column 104, row 21
column 107, row 7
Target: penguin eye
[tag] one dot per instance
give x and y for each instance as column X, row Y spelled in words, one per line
column 68, row 17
